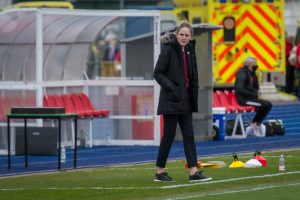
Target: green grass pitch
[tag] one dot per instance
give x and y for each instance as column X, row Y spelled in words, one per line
column 136, row 182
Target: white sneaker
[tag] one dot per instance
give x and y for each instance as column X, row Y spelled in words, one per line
column 263, row 130
column 256, row 130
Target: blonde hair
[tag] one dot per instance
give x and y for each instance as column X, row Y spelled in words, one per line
column 184, row 24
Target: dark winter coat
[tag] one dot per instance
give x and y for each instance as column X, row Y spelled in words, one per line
column 246, row 89
column 175, row 98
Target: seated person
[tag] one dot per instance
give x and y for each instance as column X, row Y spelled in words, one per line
column 246, row 89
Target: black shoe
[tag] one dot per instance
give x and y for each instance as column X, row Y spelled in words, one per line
column 198, row 177
column 163, row 177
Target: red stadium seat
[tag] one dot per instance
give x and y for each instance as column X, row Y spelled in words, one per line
column 45, row 101
column 233, row 102
column 216, row 101
column 225, row 103
column 75, row 103
column 58, row 101
column 70, row 107
column 232, row 99
column 49, row 101
column 80, row 107
column 87, row 104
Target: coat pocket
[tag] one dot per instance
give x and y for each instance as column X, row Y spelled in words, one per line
column 175, row 95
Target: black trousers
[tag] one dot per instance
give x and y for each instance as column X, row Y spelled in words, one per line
column 186, row 126
column 263, row 107
column 289, row 79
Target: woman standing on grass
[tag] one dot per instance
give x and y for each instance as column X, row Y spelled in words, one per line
column 176, row 73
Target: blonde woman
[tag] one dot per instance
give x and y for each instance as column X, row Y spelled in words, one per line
column 176, row 73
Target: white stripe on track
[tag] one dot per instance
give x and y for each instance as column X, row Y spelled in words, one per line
column 153, row 187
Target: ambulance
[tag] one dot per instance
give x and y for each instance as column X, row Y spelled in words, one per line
column 251, row 28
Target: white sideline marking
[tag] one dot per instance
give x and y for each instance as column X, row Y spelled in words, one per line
column 158, row 187
column 236, row 191
column 229, row 180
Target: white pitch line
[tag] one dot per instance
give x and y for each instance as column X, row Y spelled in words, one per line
column 154, row 187
column 235, row 191
column 229, row 180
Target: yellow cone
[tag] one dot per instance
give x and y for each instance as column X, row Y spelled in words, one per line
column 237, row 164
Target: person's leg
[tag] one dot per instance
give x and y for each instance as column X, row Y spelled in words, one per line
column 186, row 125
column 292, row 79
column 289, row 79
column 262, row 111
column 298, row 87
column 263, row 107
column 170, row 123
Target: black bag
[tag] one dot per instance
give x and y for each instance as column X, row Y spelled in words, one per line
column 274, row 127
column 269, row 129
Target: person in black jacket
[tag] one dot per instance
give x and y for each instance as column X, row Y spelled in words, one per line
column 176, row 73
column 246, row 89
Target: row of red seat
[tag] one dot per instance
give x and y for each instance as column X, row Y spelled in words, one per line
column 75, row 103
column 227, row 100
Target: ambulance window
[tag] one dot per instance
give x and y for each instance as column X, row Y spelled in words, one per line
column 196, row 20
column 185, row 15
column 204, row 2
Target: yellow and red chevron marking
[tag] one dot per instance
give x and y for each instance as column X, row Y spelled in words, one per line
column 258, row 56
column 257, row 31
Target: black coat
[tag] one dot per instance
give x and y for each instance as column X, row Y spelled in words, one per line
column 245, row 88
column 169, row 73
